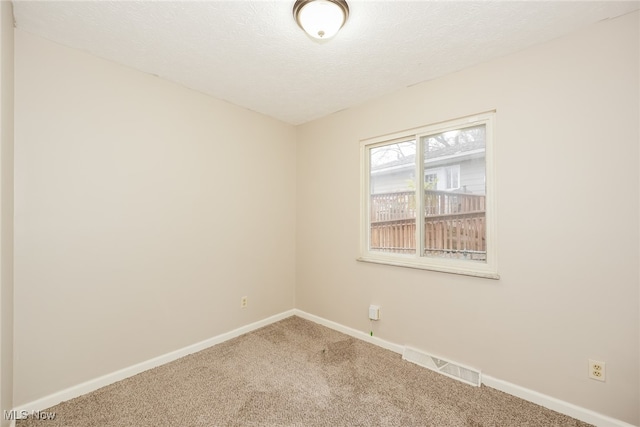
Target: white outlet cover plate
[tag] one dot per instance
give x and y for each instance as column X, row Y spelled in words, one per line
column 374, row 312
column 593, row 371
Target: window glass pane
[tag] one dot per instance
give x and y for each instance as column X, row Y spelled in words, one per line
column 454, row 207
column 392, row 203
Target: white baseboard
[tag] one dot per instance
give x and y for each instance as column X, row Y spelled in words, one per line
column 552, row 403
column 350, row 331
column 96, row 383
column 574, row 411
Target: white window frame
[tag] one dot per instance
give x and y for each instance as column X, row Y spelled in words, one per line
column 488, row 269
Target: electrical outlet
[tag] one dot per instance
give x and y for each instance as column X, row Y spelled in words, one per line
column 374, row 312
column 243, row 302
column 596, row 370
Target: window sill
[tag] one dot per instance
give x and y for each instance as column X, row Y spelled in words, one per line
column 412, row 263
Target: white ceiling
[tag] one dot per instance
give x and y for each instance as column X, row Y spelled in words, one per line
column 252, row 53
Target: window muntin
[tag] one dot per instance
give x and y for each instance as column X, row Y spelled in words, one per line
column 451, row 226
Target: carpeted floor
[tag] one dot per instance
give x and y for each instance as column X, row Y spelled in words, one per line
column 296, row 373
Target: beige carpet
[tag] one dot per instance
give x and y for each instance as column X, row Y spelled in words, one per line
column 296, row 373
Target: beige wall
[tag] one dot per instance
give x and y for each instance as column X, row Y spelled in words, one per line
column 567, row 171
column 6, row 208
column 144, row 211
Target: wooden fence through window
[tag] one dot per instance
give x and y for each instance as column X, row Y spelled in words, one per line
column 454, row 225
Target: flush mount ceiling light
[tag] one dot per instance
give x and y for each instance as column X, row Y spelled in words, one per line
column 321, row 19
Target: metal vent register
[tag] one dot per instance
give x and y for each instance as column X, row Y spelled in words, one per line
column 443, row 366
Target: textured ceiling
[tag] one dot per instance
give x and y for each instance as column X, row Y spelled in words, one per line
column 251, row 53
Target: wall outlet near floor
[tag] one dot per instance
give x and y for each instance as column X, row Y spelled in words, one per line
column 243, row 302
column 374, row 312
column 596, row 370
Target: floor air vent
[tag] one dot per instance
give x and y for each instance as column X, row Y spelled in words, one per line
column 445, row 367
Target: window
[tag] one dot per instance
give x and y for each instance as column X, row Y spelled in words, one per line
column 444, row 222
column 430, row 180
column 442, row 178
column 453, row 177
